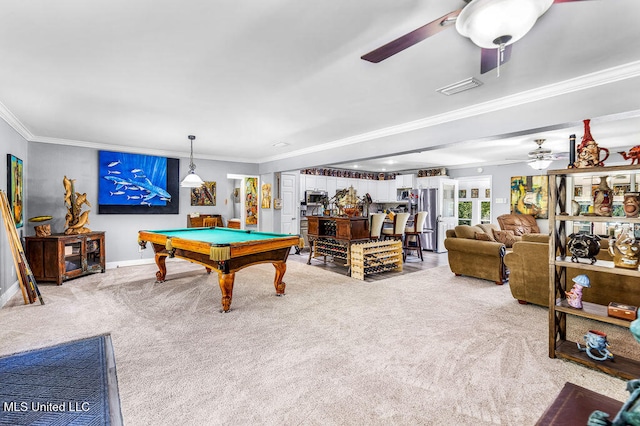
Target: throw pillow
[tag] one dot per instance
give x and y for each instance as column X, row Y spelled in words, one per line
column 483, row 236
column 467, row 231
column 505, row 237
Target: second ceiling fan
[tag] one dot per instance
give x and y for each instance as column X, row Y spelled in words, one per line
column 493, row 25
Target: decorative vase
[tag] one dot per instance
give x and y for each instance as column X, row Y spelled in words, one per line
column 575, row 208
column 625, row 249
column 631, row 204
column 588, row 150
column 602, row 199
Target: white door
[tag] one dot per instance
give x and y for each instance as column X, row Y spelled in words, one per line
column 290, row 207
column 447, row 209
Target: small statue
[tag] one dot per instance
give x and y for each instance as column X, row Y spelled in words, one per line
column 602, row 199
column 75, row 219
column 584, row 246
column 574, row 296
column 633, row 155
column 625, row 249
column 629, row 414
column 631, row 204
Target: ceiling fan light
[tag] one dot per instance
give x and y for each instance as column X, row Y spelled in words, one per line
column 485, row 21
column 540, row 164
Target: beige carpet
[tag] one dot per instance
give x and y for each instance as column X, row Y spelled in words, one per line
column 422, row 348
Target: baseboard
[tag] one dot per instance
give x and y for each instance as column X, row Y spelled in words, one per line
column 4, row 298
column 136, row 262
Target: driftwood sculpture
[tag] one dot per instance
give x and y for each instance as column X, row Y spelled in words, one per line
column 75, row 219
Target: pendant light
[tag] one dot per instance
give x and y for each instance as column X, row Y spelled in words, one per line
column 192, row 180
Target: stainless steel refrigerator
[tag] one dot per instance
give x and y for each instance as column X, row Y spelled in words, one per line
column 428, row 201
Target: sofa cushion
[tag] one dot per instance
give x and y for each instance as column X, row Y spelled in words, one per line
column 536, row 238
column 467, row 231
column 505, row 237
column 520, row 224
column 488, row 229
column 483, row 236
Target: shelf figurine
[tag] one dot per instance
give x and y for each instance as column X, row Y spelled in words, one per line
column 574, row 296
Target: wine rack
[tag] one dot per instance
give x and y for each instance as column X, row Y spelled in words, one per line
column 331, row 247
column 375, row 257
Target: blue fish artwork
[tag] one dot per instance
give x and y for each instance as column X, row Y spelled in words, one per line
column 134, row 180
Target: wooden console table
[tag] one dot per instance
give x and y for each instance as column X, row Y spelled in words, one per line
column 60, row 257
column 574, row 404
column 332, row 236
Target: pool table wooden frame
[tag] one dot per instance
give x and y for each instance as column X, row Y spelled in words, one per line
column 225, row 258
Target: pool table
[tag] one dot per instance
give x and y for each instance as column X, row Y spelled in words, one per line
column 223, row 249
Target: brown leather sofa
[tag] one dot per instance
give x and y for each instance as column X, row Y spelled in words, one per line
column 520, row 224
column 528, row 264
column 473, row 257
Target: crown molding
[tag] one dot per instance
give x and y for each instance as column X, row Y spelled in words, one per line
column 15, row 123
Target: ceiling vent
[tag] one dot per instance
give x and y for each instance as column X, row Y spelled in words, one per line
column 461, row 86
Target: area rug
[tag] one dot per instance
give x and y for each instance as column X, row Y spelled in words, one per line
column 70, row 383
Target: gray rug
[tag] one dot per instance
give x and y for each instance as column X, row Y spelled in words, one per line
column 422, row 348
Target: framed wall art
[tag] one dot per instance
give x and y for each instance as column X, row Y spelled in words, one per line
column 137, row 184
column 462, row 193
column 251, row 200
column 204, row 195
column 530, row 195
column 14, row 188
column 475, row 192
column 266, row 196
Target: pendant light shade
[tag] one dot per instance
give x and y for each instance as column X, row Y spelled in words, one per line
column 192, row 180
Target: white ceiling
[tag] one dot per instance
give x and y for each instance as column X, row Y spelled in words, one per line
column 141, row 75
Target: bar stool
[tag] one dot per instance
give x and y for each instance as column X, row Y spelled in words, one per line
column 377, row 221
column 414, row 232
column 397, row 232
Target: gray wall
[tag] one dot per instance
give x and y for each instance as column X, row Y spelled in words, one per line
column 501, row 184
column 10, row 143
column 49, row 163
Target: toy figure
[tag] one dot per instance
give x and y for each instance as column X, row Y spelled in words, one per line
column 574, row 297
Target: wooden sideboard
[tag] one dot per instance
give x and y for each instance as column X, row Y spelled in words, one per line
column 333, row 236
column 197, row 221
column 60, row 257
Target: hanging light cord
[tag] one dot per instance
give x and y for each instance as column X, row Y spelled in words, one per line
column 192, row 167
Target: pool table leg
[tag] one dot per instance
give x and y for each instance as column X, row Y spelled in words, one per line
column 226, row 288
column 281, row 268
column 162, row 268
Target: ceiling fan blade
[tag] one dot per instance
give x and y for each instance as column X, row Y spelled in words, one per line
column 409, row 39
column 489, row 58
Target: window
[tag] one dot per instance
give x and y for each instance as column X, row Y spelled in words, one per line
column 464, row 212
column 485, row 212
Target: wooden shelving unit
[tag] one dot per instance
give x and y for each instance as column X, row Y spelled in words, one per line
column 375, row 257
column 559, row 310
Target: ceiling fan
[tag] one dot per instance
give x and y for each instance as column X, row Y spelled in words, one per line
column 493, row 25
column 541, row 158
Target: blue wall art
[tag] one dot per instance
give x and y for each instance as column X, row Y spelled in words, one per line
column 137, row 184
